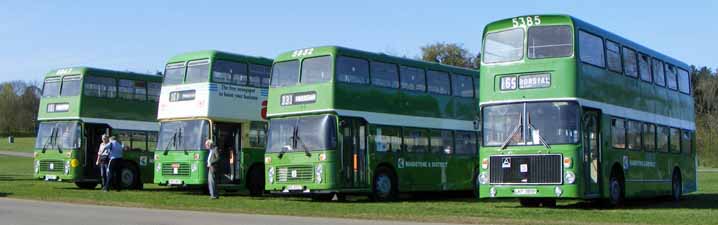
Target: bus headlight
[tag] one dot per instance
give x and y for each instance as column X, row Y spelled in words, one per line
column 37, row 166
column 74, row 163
column 196, row 156
column 570, row 177
column 194, row 167
column 492, row 192
column 267, row 160
column 483, row 178
column 68, row 154
column 485, row 164
column 318, row 171
column 322, row 157
column 270, row 175
column 158, row 167
column 67, row 167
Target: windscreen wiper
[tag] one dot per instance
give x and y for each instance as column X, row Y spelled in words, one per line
column 516, row 129
column 531, row 126
column 173, row 143
column 49, row 140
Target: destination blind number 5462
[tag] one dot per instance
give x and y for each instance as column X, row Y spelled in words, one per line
column 526, row 21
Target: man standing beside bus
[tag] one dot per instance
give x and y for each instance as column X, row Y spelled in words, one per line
column 212, row 160
column 115, row 164
column 103, row 160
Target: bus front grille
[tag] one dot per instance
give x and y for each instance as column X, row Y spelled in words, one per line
column 295, row 174
column 175, row 169
column 525, row 169
column 52, row 166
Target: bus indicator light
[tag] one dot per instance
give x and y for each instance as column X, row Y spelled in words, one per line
column 74, row 163
column 567, row 162
column 485, row 164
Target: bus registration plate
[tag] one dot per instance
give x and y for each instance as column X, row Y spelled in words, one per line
column 175, row 181
column 294, row 187
column 50, row 177
column 525, row 191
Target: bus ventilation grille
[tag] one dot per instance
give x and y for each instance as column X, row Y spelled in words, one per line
column 526, row 169
column 295, row 174
column 52, row 166
column 181, row 170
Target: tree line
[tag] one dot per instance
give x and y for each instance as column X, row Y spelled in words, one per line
column 19, row 100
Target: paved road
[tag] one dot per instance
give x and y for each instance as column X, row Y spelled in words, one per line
column 18, row 154
column 21, row 212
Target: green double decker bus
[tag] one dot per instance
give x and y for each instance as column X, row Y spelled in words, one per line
column 79, row 105
column 344, row 121
column 572, row 111
column 213, row 95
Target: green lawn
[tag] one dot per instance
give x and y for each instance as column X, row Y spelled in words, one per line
column 22, row 144
column 15, row 182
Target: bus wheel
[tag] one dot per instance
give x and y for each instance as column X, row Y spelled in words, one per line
column 256, row 181
column 129, row 177
column 549, row 202
column 530, row 202
column 676, row 183
column 384, row 187
column 86, row 185
column 615, row 191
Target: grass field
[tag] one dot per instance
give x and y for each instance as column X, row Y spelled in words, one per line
column 22, row 144
column 700, row 208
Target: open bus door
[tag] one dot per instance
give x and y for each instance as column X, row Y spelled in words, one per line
column 354, row 152
column 228, row 138
column 93, row 139
column 591, row 151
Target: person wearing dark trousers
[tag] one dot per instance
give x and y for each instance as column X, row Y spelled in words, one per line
column 115, row 165
column 103, row 160
column 212, row 161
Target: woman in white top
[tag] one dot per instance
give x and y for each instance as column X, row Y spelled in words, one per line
column 103, row 159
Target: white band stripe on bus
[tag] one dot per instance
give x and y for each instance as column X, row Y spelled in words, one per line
column 396, row 120
column 618, row 111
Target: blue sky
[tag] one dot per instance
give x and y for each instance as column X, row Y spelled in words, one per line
column 37, row 36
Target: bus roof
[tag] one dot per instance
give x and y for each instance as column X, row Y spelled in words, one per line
column 339, row 50
column 583, row 25
column 107, row 73
column 215, row 54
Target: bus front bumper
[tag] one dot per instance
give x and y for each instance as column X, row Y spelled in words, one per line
column 529, row 191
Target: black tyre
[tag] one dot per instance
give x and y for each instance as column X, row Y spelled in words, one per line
column 616, row 191
column 255, row 181
column 322, row 197
column 86, row 185
column 677, row 186
column 549, row 202
column 384, row 186
column 530, row 202
column 129, row 177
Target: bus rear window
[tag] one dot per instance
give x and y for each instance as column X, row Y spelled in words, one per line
column 550, row 42
column 51, row 87
column 285, row 74
column 174, row 73
column 504, row 46
column 316, row 70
